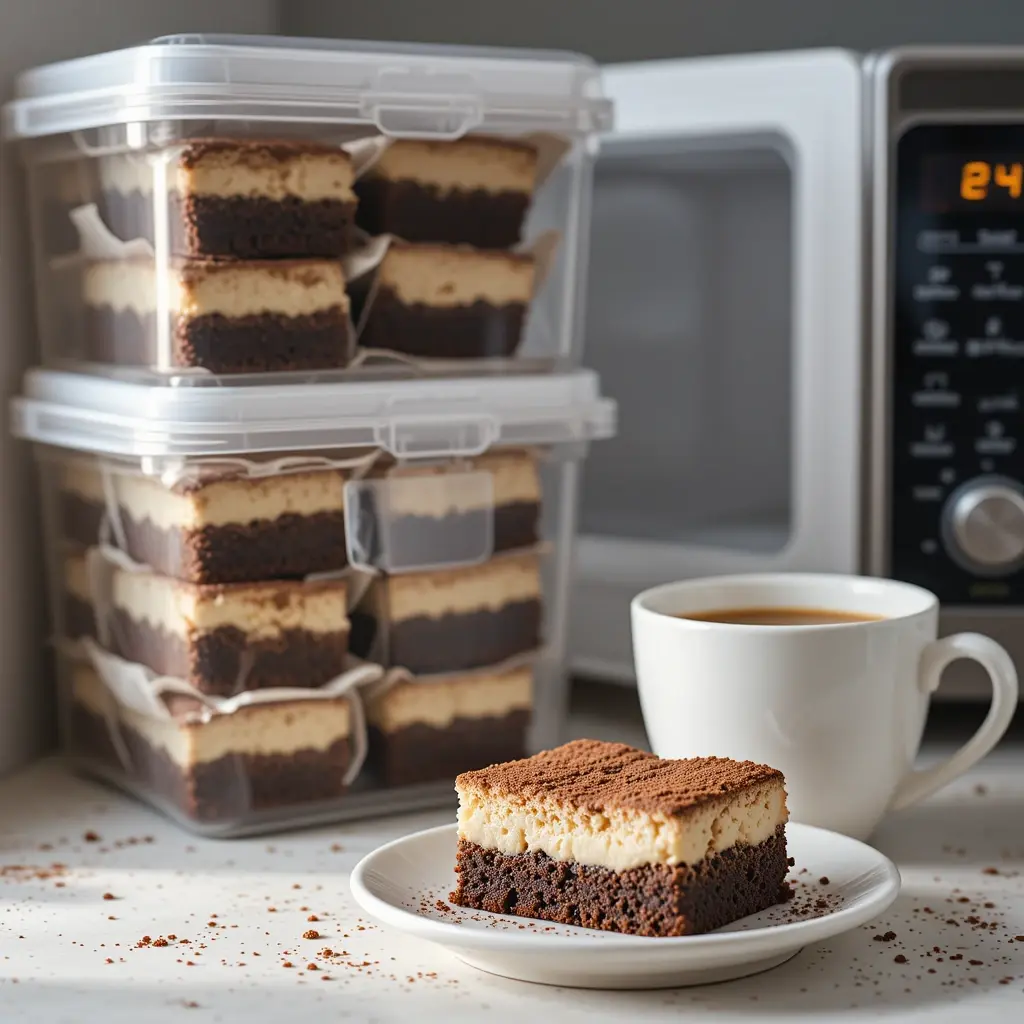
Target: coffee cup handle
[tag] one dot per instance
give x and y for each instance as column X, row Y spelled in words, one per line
column 918, row 784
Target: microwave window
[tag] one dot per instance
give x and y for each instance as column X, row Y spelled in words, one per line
column 969, row 181
column 689, row 323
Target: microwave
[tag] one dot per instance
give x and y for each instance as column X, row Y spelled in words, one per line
column 806, row 292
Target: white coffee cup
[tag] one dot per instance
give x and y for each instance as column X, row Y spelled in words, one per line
column 838, row 708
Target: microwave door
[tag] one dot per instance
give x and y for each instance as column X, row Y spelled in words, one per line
column 725, row 316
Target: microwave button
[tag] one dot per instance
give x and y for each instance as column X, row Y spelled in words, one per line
column 984, row 526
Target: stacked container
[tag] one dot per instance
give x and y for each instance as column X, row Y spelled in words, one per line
column 309, row 419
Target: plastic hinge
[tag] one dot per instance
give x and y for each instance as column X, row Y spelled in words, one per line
column 423, row 104
column 425, row 437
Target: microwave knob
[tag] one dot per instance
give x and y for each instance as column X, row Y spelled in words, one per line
column 984, row 526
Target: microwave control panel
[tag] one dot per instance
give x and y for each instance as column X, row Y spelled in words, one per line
column 957, row 401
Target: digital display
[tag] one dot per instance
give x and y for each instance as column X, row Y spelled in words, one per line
column 965, row 181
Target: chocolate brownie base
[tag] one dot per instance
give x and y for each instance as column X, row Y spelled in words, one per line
column 80, row 519
column 88, row 735
column 224, row 790
column 477, row 331
column 426, row 753
column 419, row 212
column 225, row 661
column 453, row 643
column 241, row 227
column 249, row 344
column 288, row 547
column 653, row 900
column 79, row 618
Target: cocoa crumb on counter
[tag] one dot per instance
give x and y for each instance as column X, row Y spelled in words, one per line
column 312, row 967
column 109, row 960
column 287, row 963
column 336, row 848
column 160, row 942
column 312, row 917
column 109, row 896
column 887, row 937
column 990, row 871
column 312, row 933
column 823, row 880
column 91, row 837
column 900, row 958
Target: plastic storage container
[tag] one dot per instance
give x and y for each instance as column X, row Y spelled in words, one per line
column 288, row 604
column 208, row 206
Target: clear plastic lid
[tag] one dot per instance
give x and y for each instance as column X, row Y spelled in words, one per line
column 407, row 419
column 401, row 89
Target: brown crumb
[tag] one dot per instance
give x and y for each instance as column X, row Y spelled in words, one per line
column 160, row 942
column 295, row 885
column 976, row 963
column 443, row 907
column 91, row 837
column 823, row 880
column 172, row 937
column 312, row 917
column 887, row 937
column 191, row 1004
column 312, row 967
column 957, row 956
column 110, row 917
column 336, row 847
column 109, row 960
column 287, row 963
column 990, row 871
column 327, row 952
column 312, row 933
column 900, row 958
column 190, row 963
column 791, row 861
column 271, row 910
column 989, row 906
column 211, row 924
column 963, row 899
column 109, row 896
column 1019, row 938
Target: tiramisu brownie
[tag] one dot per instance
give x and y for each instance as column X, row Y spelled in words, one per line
column 79, row 615
column 226, row 317
column 80, row 500
column 224, row 639
column 238, row 529
column 215, row 767
column 448, row 302
column 248, row 199
column 430, row 512
column 474, row 191
column 421, row 731
column 452, row 620
column 605, row 836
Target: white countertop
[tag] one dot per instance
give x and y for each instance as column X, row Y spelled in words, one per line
column 58, row 931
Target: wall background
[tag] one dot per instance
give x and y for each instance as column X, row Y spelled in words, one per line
column 617, row 30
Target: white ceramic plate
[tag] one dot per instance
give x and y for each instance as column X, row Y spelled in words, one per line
column 406, row 884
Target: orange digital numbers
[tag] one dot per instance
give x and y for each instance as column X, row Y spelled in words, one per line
column 974, row 180
column 1010, row 177
column 977, row 176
